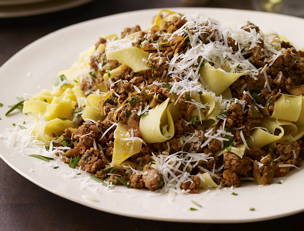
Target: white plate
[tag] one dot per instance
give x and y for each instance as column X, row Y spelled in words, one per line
column 35, row 7
column 37, row 65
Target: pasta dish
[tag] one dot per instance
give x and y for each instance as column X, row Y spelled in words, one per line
column 185, row 105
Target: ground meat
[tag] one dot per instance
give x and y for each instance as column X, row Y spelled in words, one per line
column 262, row 173
column 230, row 178
column 92, row 161
column 288, row 150
column 136, row 181
column 240, row 166
column 250, row 26
column 215, row 145
column 130, row 30
column 152, row 179
column 192, row 186
column 173, row 24
column 232, row 43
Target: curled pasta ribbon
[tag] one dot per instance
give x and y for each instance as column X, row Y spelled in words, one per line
column 216, row 79
column 214, row 107
column 206, row 181
column 125, row 145
column 261, row 137
column 238, row 150
column 159, row 20
column 124, row 52
column 94, row 106
column 289, row 108
column 158, row 125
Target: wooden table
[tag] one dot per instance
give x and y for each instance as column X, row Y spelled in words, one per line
column 23, row 205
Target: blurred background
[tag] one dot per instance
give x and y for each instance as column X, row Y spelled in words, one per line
column 25, row 206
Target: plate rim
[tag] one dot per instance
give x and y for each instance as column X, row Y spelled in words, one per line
column 116, row 212
column 57, row 6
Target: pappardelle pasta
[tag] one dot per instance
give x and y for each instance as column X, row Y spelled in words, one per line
column 185, row 105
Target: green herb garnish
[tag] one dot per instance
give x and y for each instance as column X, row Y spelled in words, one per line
column 78, row 111
column 133, row 101
column 55, row 167
column 195, row 120
column 167, row 85
column 279, row 182
column 122, row 181
column 234, row 194
column 255, row 95
column 21, row 127
column 93, row 75
column 222, row 115
column 252, row 209
column 96, row 178
column 128, row 113
column 17, row 106
column 74, row 161
column 110, row 170
column 227, row 143
column 197, row 204
column 45, row 158
column 110, row 101
column 66, row 143
column 193, row 209
column 1, row 104
column 62, row 78
column 62, row 118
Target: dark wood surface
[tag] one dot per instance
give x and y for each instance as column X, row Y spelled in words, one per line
column 25, row 206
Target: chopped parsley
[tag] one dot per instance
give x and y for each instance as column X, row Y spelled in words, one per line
column 252, row 209
column 14, row 124
column 62, row 118
column 62, row 78
column 128, row 113
column 197, row 204
column 1, row 104
column 279, row 182
column 96, row 178
column 255, row 95
column 133, row 101
column 93, row 75
column 16, row 107
column 227, row 143
column 195, row 120
column 74, row 161
column 78, row 111
column 167, row 85
column 66, row 143
column 55, row 167
column 21, row 127
column 41, row 157
column 222, row 115
column 193, row 209
column 122, row 181
column 234, row 194
column 110, row 101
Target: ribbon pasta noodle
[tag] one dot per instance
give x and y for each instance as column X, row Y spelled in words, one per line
column 217, row 80
column 287, row 107
column 125, row 145
column 158, row 125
